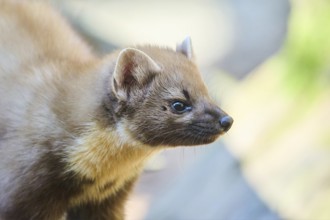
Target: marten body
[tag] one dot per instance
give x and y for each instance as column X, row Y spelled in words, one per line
column 75, row 130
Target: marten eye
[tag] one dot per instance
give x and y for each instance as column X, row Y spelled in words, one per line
column 180, row 107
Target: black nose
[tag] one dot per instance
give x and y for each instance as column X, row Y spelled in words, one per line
column 226, row 122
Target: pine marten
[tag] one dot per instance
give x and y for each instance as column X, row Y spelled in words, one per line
column 75, row 130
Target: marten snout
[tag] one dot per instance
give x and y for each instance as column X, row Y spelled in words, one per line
column 216, row 116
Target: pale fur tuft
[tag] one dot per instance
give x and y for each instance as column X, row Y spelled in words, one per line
column 103, row 151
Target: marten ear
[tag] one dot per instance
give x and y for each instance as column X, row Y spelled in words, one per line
column 133, row 70
column 186, row 48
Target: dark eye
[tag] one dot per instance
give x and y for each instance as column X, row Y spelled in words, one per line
column 180, row 107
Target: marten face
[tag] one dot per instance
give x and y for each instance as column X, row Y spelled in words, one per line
column 180, row 116
column 163, row 100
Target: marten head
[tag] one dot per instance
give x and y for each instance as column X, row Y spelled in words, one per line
column 161, row 99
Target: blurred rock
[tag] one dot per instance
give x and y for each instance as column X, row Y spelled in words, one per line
column 259, row 30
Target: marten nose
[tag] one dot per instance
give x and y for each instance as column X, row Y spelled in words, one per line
column 226, row 122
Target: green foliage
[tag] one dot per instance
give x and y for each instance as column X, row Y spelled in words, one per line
column 305, row 57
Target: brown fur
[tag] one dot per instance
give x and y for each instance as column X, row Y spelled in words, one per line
column 75, row 130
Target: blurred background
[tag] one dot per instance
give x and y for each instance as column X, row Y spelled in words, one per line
column 267, row 64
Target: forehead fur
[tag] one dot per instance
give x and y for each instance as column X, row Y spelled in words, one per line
column 178, row 72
